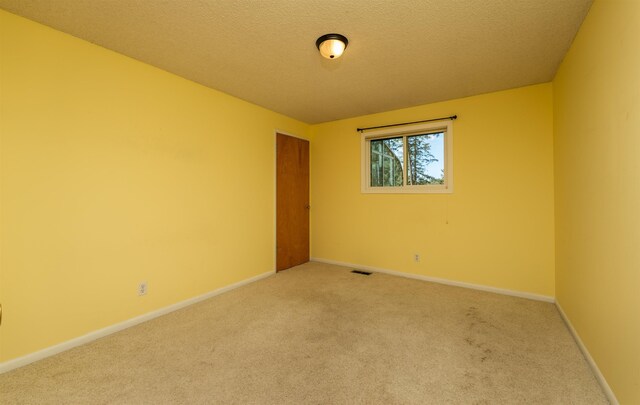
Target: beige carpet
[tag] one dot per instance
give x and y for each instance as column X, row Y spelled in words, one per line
column 319, row 334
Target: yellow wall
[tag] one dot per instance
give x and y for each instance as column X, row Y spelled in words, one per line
column 114, row 172
column 496, row 229
column 597, row 175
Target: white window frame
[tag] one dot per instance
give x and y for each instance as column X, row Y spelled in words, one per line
column 417, row 129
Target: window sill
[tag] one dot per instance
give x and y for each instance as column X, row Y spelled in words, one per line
column 407, row 190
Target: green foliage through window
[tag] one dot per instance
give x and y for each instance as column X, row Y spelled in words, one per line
column 424, row 160
column 423, row 166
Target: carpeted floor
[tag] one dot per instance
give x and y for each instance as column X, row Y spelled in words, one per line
column 319, row 334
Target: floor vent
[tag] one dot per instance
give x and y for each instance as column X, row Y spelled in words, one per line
column 364, row 273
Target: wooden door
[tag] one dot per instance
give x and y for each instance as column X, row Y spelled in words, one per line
column 292, row 201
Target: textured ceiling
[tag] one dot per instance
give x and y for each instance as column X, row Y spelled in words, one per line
column 401, row 53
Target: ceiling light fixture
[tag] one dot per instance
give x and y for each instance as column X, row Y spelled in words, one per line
column 331, row 46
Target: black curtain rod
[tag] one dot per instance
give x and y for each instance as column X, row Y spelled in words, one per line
column 453, row 117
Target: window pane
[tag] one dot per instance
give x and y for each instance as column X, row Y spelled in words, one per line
column 387, row 157
column 425, row 159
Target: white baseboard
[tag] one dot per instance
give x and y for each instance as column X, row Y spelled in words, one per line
column 480, row 287
column 603, row 382
column 97, row 334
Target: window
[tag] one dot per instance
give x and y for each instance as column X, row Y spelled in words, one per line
column 410, row 159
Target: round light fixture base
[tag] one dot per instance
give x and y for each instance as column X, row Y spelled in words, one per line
column 331, row 46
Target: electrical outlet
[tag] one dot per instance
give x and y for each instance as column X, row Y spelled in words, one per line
column 142, row 288
column 416, row 257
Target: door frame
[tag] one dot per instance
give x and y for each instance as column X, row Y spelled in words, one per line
column 275, row 191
